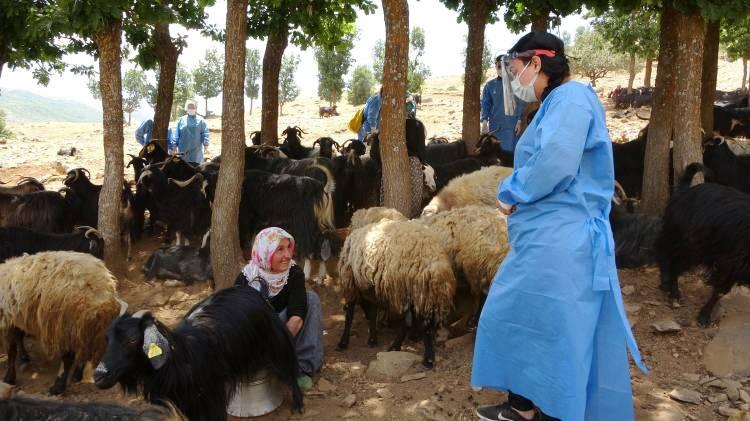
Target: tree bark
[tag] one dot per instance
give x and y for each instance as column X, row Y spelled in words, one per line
column 3, row 53
column 110, row 86
column 396, row 180
column 540, row 21
column 744, row 72
column 631, row 69
column 688, row 75
column 478, row 14
column 647, row 72
column 251, row 106
column 226, row 256
column 206, row 110
column 269, row 121
column 710, row 71
column 655, row 191
column 166, row 53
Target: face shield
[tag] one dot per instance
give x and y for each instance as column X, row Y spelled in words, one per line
column 509, row 100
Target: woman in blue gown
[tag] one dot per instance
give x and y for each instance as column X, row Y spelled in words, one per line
column 553, row 331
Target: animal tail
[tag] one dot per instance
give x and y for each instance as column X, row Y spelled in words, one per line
column 687, row 176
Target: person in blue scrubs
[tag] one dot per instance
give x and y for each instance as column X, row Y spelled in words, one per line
column 191, row 136
column 143, row 132
column 371, row 117
column 553, row 331
column 493, row 117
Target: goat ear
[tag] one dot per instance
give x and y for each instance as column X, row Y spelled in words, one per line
column 155, row 346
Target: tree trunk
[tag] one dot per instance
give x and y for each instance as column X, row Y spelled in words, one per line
column 647, row 73
column 396, row 184
column 631, row 69
column 251, row 106
column 129, row 115
column 3, row 53
column 269, row 121
column 540, row 21
column 687, row 111
column 166, row 53
column 744, row 72
column 710, row 70
column 655, row 191
column 110, row 86
column 206, row 110
column 226, row 256
column 478, row 13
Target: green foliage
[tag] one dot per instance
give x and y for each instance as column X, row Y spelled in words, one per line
column 418, row 71
column 93, row 84
column 27, row 38
column 183, row 90
column 313, row 22
column 134, row 89
column 520, row 13
column 594, row 58
column 208, row 77
column 735, row 38
column 288, row 89
column 4, row 132
column 361, row 86
column 488, row 60
column 253, row 67
column 464, row 8
column 378, row 59
column 631, row 32
column 333, row 64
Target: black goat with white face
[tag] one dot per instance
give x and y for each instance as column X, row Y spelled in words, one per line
column 222, row 342
column 706, row 225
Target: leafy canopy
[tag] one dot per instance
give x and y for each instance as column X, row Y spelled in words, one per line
column 288, row 89
column 361, row 86
column 630, row 32
column 253, row 66
column 333, row 64
column 208, row 76
column 594, row 58
column 418, row 71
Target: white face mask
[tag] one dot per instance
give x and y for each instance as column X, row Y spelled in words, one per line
column 525, row 93
column 191, row 111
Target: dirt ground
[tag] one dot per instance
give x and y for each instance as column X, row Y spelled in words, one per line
column 444, row 393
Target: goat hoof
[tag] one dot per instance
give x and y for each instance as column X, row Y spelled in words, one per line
column 676, row 303
column 55, row 390
column 428, row 364
column 704, row 321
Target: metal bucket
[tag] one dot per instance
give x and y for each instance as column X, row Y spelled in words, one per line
column 259, row 397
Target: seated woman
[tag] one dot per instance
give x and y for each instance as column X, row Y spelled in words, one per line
column 272, row 271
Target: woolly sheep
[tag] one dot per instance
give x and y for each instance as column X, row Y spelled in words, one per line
column 65, row 300
column 477, row 188
column 476, row 240
column 363, row 217
column 401, row 265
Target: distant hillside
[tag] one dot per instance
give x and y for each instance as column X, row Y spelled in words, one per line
column 24, row 106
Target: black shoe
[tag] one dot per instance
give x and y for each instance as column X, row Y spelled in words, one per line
column 502, row 412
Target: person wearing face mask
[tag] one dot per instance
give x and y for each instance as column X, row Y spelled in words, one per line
column 272, row 271
column 493, row 116
column 191, row 136
column 555, row 336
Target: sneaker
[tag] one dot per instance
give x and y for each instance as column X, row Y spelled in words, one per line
column 304, row 382
column 502, row 412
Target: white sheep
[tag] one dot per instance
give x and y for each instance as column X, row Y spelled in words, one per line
column 363, row 217
column 65, row 300
column 476, row 240
column 400, row 265
column 476, row 188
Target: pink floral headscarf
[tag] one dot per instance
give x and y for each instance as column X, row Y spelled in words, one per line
column 265, row 245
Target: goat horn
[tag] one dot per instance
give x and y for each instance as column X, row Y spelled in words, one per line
column 92, row 231
column 620, row 191
column 85, row 171
column 123, row 306
column 140, row 313
column 183, row 183
column 637, row 114
column 336, row 144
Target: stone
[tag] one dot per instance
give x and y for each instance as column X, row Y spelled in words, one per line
column 392, row 365
column 632, row 308
column 178, row 297
column 325, row 386
column 691, row 377
column 410, row 377
column 721, row 397
column 744, row 396
column 442, row 335
column 349, row 401
column 742, row 416
column 728, row 353
column 460, row 341
column 384, row 393
column 666, row 326
column 744, row 407
column 354, row 369
column 173, row 283
column 728, row 412
column 158, row 300
column 686, row 395
column 6, row 391
column 628, row 290
column 352, row 414
column 309, row 414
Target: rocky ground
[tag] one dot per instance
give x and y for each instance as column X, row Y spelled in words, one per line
column 696, row 373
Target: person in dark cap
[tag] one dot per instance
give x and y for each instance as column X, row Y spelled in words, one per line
column 493, row 116
column 553, row 331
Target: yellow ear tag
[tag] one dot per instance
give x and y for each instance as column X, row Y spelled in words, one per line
column 150, row 149
column 154, row 350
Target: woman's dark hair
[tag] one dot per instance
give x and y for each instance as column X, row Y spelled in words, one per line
column 556, row 68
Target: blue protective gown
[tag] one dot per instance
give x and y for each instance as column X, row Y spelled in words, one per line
column 553, row 328
column 504, row 126
column 143, row 132
column 191, row 136
column 371, row 117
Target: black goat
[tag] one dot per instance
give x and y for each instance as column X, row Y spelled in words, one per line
column 23, row 408
column 153, row 152
column 15, row 241
column 325, row 147
column 301, row 205
column 726, row 167
column 706, row 225
column 634, row 234
column 222, row 342
column 186, row 263
column 79, row 180
column 447, row 172
column 292, row 146
column 24, row 185
column 628, row 162
column 138, row 164
column 255, row 138
column 45, row 211
column 444, row 153
column 353, row 146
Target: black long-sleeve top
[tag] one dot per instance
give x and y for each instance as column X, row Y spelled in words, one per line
column 292, row 297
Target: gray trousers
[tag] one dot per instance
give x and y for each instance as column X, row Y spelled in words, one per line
column 308, row 343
